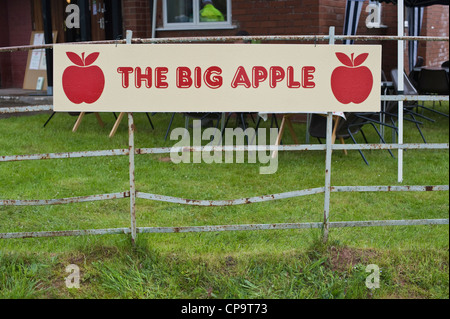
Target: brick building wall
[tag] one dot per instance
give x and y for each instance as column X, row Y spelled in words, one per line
column 261, row 17
column 12, row 65
column 19, row 34
column 283, row 17
column 136, row 16
column 15, row 23
column 258, row 17
column 5, row 65
column 435, row 24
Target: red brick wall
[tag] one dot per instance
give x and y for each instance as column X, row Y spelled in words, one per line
column 5, row 67
column 136, row 17
column 15, row 23
column 332, row 13
column 261, row 17
column 282, row 17
column 435, row 24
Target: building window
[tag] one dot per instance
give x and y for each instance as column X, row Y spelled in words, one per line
column 196, row 14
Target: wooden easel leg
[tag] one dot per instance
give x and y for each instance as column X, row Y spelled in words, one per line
column 99, row 119
column 333, row 137
column 341, row 139
column 116, row 124
column 78, row 122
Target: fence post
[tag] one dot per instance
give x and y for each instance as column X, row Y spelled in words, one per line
column 132, row 179
column 326, row 210
column 131, row 162
column 401, row 84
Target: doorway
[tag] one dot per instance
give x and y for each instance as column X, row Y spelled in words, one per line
column 106, row 19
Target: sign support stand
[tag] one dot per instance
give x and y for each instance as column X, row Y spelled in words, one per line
column 401, row 84
column 326, row 210
column 131, row 129
column 132, row 177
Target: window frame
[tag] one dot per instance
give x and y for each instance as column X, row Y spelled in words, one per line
column 196, row 24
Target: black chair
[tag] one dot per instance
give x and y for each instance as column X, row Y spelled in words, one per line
column 346, row 129
column 414, row 74
column 409, row 89
column 444, row 64
column 433, row 81
column 385, row 115
column 318, row 127
column 408, row 107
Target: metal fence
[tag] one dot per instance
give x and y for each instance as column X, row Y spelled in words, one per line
column 131, row 152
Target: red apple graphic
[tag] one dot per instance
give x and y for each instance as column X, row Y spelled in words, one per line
column 352, row 82
column 83, row 82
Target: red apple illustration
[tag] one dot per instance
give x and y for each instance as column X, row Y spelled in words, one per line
column 83, row 82
column 352, row 82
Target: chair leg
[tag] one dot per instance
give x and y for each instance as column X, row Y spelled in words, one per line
column 244, row 127
column 381, row 138
column 224, row 119
column 148, row 116
column 418, row 128
column 420, row 115
column 434, row 111
column 364, row 136
column 354, row 141
column 226, row 123
column 274, row 119
column 49, row 118
column 394, row 131
column 256, row 130
column 243, row 121
column 170, row 125
column 219, row 120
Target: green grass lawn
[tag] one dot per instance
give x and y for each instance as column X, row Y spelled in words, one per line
column 244, row 264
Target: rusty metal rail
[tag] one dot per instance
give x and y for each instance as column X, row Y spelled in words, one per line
column 226, row 148
column 133, row 194
column 231, row 39
column 218, row 228
column 81, row 199
column 305, row 192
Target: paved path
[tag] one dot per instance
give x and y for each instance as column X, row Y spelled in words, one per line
column 19, row 97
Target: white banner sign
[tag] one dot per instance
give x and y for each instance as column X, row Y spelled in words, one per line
column 217, row 78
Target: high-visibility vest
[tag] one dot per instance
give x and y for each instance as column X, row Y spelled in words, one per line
column 210, row 14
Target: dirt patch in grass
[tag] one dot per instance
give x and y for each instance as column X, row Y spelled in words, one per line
column 342, row 258
column 230, row 262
